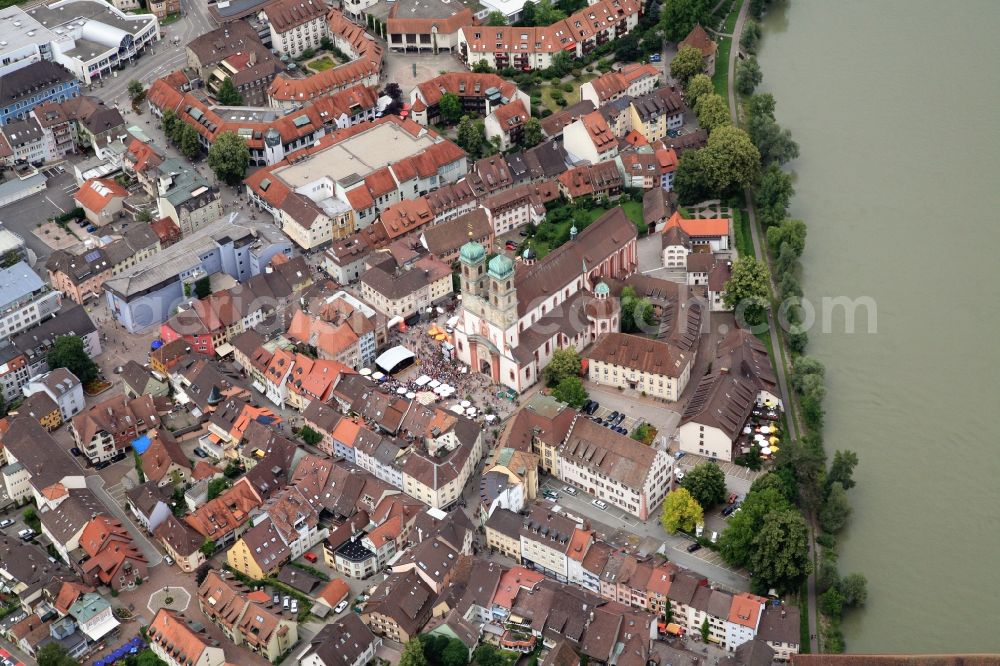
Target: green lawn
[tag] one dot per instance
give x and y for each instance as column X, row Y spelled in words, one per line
column 721, row 77
column 741, row 230
column 571, row 97
column 633, row 209
column 321, row 64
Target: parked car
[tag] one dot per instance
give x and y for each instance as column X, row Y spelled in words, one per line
column 693, row 547
column 594, row 406
column 295, row 606
column 656, row 57
column 586, row 406
column 678, row 455
column 600, row 504
column 26, row 534
column 276, row 599
column 198, row 451
column 569, row 490
column 621, row 417
column 285, row 602
column 679, row 474
column 104, row 464
column 340, row 607
column 715, row 537
column 728, row 510
column 598, row 421
column 510, row 245
column 169, row 560
column 76, row 452
column 6, row 522
column 523, row 233
column 311, row 557
column 614, row 415
column 550, row 494
column 732, row 498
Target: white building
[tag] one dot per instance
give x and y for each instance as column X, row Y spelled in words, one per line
column 24, row 299
column 614, row 468
column 88, row 37
column 63, row 387
column 296, row 25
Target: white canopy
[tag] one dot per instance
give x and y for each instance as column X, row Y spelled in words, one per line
column 394, row 359
column 422, row 380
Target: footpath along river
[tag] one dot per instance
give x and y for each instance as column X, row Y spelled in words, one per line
column 895, row 106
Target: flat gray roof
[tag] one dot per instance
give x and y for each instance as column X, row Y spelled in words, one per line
column 361, row 154
column 17, row 282
column 54, row 17
column 16, row 36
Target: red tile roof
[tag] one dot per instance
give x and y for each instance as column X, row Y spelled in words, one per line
column 699, row 39
column 96, row 193
column 696, row 228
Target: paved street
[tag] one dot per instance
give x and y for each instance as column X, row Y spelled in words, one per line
column 609, row 523
column 153, row 556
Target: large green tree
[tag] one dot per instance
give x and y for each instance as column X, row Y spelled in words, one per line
column 53, row 654
column 455, row 654
column 773, row 194
column 748, row 76
column 679, row 17
column 692, row 180
column 831, row 603
column 748, row 290
column 736, row 542
column 636, row 313
column 229, row 158
column 571, row 391
column 471, row 136
column 547, row 13
column 750, row 37
column 697, row 86
column 733, row 159
column 712, row 111
column 496, row 18
column 688, row 62
column 791, row 233
column 487, row 655
column 706, row 483
column 531, row 134
column 228, row 95
column 836, row 509
column 842, row 469
column 779, row 554
column 680, row 511
column 68, row 352
column 775, row 144
column 189, row 143
column 413, row 654
column 451, row 107
column 854, row 587
column 135, row 91
column 564, row 363
column 627, row 48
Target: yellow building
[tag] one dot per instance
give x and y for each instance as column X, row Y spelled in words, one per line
column 260, row 552
column 503, row 533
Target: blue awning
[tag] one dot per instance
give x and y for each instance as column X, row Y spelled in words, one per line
column 141, row 444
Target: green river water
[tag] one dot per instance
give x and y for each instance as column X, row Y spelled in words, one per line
column 896, row 106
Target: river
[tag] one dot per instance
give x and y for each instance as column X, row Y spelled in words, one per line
column 894, row 104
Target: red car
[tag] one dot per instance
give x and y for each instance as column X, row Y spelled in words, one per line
column 311, row 557
column 732, row 498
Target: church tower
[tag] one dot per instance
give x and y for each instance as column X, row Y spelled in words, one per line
column 503, row 295
column 472, row 256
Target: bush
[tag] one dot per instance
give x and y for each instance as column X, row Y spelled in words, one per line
column 562, row 101
column 576, row 73
column 567, row 87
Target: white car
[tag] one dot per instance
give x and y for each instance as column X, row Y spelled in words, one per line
column 340, row 607
column 169, row 560
column 715, row 537
column 295, row 606
column 26, row 533
column 600, row 504
column 569, row 490
column 6, row 522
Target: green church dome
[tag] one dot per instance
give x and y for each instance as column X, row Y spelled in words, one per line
column 472, row 252
column 501, row 266
column 602, row 289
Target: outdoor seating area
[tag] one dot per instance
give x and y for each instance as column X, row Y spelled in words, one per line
column 761, row 432
column 134, row 646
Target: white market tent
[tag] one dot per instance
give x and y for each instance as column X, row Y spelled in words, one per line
column 394, row 359
column 422, row 380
